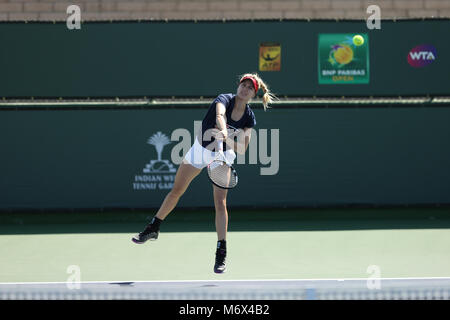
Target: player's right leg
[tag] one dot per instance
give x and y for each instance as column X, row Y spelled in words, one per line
column 220, row 204
column 185, row 174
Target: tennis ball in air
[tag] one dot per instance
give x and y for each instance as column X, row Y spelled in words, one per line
column 358, row 40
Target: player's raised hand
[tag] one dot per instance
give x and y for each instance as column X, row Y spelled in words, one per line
column 219, row 134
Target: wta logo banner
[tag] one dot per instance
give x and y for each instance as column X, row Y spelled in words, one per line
column 422, row 56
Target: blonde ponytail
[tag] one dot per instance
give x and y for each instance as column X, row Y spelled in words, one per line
column 268, row 97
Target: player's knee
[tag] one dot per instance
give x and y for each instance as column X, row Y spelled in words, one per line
column 221, row 203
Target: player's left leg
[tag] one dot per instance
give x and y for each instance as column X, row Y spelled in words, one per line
column 220, row 205
column 185, row 174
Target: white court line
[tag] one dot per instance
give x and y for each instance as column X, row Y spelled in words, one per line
column 225, row 281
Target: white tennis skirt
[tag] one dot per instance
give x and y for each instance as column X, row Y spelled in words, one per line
column 200, row 157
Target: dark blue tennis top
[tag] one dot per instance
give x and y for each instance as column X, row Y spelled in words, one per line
column 248, row 119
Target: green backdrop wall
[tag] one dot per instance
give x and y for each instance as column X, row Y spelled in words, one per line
column 123, row 59
column 92, row 158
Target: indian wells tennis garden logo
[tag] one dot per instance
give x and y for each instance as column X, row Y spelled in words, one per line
column 159, row 173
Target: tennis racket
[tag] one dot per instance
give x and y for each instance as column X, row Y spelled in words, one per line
column 220, row 172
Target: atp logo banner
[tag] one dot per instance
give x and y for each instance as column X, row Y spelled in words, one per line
column 269, row 57
column 422, row 56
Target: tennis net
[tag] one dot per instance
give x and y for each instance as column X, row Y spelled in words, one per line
column 346, row 289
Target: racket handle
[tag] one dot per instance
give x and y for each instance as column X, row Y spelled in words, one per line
column 219, row 145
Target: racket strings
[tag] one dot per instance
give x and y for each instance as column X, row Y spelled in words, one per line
column 221, row 174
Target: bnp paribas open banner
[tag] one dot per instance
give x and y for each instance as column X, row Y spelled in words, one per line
column 343, row 58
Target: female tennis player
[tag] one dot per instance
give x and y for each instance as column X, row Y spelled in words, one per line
column 231, row 109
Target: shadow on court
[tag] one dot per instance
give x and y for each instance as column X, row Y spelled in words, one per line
column 202, row 220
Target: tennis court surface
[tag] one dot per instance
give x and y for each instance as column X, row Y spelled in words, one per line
column 273, row 254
